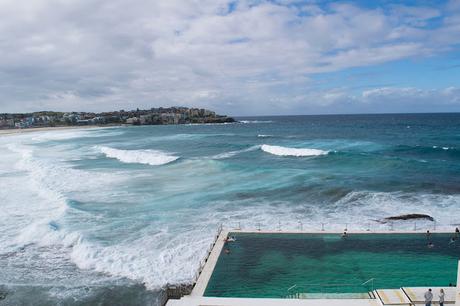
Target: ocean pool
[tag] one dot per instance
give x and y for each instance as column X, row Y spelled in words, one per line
column 279, row 265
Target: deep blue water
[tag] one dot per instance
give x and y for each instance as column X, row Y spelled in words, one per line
column 90, row 209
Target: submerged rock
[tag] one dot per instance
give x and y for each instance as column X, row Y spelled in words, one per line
column 410, row 217
column 2, row 293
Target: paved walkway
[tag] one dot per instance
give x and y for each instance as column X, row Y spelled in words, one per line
column 209, row 301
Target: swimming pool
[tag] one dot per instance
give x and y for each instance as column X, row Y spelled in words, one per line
column 278, row 265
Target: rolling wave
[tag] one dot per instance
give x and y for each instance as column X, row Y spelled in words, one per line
column 148, row 157
column 285, row 151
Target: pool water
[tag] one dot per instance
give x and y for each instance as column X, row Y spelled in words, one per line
column 280, row 265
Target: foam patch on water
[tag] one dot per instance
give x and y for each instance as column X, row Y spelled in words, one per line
column 264, row 136
column 255, row 121
column 47, row 205
column 233, row 153
column 444, row 148
column 155, row 259
column 148, row 157
column 37, row 197
column 285, row 151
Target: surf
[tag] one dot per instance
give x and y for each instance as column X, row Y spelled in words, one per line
column 148, row 157
column 297, row 152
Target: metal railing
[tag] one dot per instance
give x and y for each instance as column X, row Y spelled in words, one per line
column 324, row 291
column 208, row 253
column 388, row 226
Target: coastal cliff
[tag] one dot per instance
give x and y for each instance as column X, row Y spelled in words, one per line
column 153, row 116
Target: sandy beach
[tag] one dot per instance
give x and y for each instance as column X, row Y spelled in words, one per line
column 46, row 129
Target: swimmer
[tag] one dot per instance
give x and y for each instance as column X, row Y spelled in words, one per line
column 227, row 251
column 428, row 234
column 344, row 235
column 430, row 245
column 231, row 239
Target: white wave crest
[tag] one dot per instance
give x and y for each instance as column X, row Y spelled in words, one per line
column 264, row 136
column 148, row 157
column 233, row 153
column 255, row 121
column 444, row 148
column 284, row 151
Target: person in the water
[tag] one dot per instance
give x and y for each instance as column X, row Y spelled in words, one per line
column 345, row 234
column 229, row 239
column 430, row 245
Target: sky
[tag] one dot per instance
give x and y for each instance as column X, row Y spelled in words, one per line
column 248, row 57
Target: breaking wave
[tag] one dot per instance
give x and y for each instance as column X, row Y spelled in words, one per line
column 284, row 151
column 148, row 157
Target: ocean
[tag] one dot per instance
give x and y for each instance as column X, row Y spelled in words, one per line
column 109, row 216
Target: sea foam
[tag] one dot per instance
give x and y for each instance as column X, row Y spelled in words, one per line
column 148, row 157
column 264, row 136
column 285, row 151
column 233, row 153
column 255, row 121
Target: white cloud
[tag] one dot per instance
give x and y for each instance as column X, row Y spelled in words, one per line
column 103, row 55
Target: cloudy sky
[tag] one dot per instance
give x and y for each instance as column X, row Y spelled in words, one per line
column 236, row 57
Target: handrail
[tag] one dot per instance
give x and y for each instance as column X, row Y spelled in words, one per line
column 296, row 290
column 330, row 285
column 369, row 280
column 300, row 225
column 292, row 287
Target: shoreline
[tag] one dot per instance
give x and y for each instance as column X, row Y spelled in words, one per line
column 7, row 132
column 18, row 131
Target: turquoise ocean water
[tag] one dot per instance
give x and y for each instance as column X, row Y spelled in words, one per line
column 113, row 214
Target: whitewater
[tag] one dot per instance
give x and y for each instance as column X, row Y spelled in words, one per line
column 114, row 214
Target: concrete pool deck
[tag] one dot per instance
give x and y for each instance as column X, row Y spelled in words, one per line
column 211, row 301
column 211, row 262
column 398, row 296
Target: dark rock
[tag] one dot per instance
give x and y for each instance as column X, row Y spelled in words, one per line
column 410, row 217
column 3, row 293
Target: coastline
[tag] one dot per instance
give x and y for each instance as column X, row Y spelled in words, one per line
column 17, row 131
column 7, row 132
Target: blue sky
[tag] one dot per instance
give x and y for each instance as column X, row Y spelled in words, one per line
column 242, row 57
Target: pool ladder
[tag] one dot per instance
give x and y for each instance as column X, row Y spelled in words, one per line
column 299, row 292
